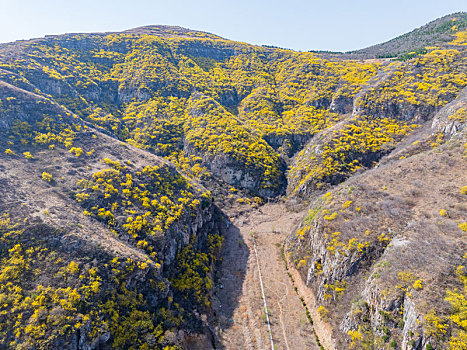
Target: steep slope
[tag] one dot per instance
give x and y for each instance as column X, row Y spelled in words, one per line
column 96, row 236
column 380, row 250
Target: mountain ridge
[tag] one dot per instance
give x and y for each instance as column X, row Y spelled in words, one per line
column 429, row 34
column 178, row 31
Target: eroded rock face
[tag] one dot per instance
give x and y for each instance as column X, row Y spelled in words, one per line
column 452, row 118
column 378, row 309
column 342, row 104
column 25, row 106
column 205, row 220
column 321, row 103
column 287, row 145
column 412, row 324
column 235, row 174
column 401, row 111
column 126, row 94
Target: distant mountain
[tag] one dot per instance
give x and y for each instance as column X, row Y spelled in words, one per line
column 171, row 31
column 437, row 32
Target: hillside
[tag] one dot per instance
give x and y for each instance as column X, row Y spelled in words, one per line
column 437, row 32
column 135, row 168
column 385, row 246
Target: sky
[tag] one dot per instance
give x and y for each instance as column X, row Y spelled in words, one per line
column 339, row 25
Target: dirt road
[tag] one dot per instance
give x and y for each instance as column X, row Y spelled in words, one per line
column 241, row 315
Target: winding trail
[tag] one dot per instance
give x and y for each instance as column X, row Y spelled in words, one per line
column 239, row 304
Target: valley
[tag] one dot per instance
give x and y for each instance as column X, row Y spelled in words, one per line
column 247, row 329
column 160, row 185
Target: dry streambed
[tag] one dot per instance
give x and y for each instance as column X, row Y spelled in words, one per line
column 239, row 303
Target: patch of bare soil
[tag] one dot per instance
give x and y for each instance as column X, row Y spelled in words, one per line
column 238, row 299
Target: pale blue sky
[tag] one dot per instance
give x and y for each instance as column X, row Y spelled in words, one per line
column 339, row 25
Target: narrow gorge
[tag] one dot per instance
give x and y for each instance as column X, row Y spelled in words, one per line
column 166, row 188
